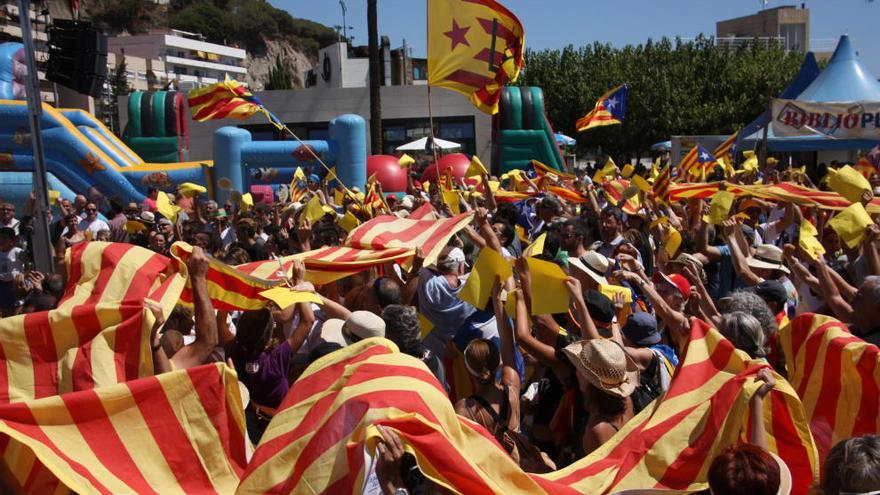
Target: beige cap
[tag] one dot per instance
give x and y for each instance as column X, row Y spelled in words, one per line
column 593, row 264
column 360, row 325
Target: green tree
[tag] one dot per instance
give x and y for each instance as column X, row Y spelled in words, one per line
column 675, row 87
column 118, row 84
column 279, row 76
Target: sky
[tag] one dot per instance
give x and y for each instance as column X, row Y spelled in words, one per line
column 557, row 23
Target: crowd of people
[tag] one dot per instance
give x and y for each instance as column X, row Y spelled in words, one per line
column 605, row 359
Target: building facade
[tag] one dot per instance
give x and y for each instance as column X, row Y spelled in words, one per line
column 788, row 25
column 181, row 57
column 343, row 66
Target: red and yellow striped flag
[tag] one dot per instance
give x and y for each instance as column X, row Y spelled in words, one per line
column 178, row 432
column 319, row 435
column 614, row 190
column 220, row 100
column 836, row 375
column 724, row 148
column 98, row 333
column 542, row 169
column 475, row 47
column 661, row 185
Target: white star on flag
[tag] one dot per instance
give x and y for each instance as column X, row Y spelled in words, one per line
column 705, row 157
column 611, row 103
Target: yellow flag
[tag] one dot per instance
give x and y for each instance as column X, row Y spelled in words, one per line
column 611, row 290
column 849, row 183
column 247, row 202
column 314, row 210
column 609, row 169
column 459, row 33
column 425, row 326
column 478, row 288
column 476, row 168
column 751, row 162
column 550, row 295
column 850, row 224
column 331, row 175
column 641, row 183
column 719, row 208
column 808, row 242
column 54, row 196
column 493, row 185
column 284, row 297
column 133, row 227
column 189, row 189
column 673, row 241
column 349, row 221
column 405, row 161
column 166, row 208
column 450, row 197
column 537, row 247
column 521, row 233
column 627, row 171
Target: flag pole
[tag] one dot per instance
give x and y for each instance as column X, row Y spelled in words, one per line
column 430, row 113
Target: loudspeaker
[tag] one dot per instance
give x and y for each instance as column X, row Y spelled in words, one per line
column 77, row 56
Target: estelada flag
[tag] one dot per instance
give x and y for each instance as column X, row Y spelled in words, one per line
column 609, row 110
column 475, row 47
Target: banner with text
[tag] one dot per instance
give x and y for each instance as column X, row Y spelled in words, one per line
column 853, row 120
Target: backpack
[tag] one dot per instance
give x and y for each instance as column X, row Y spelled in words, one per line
column 650, row 385
column 529, row 457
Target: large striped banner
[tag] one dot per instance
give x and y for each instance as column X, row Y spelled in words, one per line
column 316, row 442
column 836, row 375
column 98, row 333
column 784, row 191
column 178, row 432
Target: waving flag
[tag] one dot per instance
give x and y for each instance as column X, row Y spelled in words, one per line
column 609, row 110
column 661, row 185
column 697, row 163
column 228, row 98
column 178, row 432
column 98, row 333
column 475, row 47
column 835, row 374
column 727, row 146
column 323, row 428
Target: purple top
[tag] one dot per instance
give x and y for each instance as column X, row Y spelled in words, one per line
column 265, row 377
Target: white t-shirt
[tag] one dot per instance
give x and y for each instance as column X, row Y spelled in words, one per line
column 13, row 224
column 94, row 227
column 11, row 264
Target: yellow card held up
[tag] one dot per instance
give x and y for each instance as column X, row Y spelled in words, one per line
column 673, row 241
column 476, row 168
column 611, row 290
column 314, row 210
column 537, row 247
column 166, row 208
column 719, row 208
column 450, row 197
column 284, row 297
column 627, row 171
column 849, row 183
column 405, row 161
column 478, row 288
column 549, row 294
column 189, row 189
column 349, row 221
column 54, row 196
column 808, row 242
column 850, row 224
column 641, row 183
column 247, row 202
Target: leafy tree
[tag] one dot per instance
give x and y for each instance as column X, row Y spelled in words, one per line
column 118, row 84
column 279, row 76
column 675, row 88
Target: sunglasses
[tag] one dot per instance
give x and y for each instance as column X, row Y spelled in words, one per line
column 7, row 209
column 91, row 209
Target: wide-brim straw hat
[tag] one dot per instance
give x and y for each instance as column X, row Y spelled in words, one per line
column 605, row 364
column 593, row 265
column 767, row 256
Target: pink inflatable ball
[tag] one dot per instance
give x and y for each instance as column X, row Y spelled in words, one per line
column 388, row 172
column 458, row 163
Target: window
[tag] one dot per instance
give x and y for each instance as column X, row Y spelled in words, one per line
column 180, row 70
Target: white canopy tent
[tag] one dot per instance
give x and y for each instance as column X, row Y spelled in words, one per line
column 421, row 145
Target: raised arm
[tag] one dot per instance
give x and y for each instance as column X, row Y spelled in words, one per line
column 588, row 328
column 830, row 293
column 197, row 352
column 675, row 320
column 737, row 257
column 758, row 435
column 509, row 375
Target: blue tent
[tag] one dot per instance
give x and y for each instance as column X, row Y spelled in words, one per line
column 844, row 79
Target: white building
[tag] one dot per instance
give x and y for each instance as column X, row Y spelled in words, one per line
column 186, row 57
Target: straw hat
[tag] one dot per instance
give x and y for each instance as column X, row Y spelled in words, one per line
column 605, row 364
column 593, row 264
column 767, row 256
